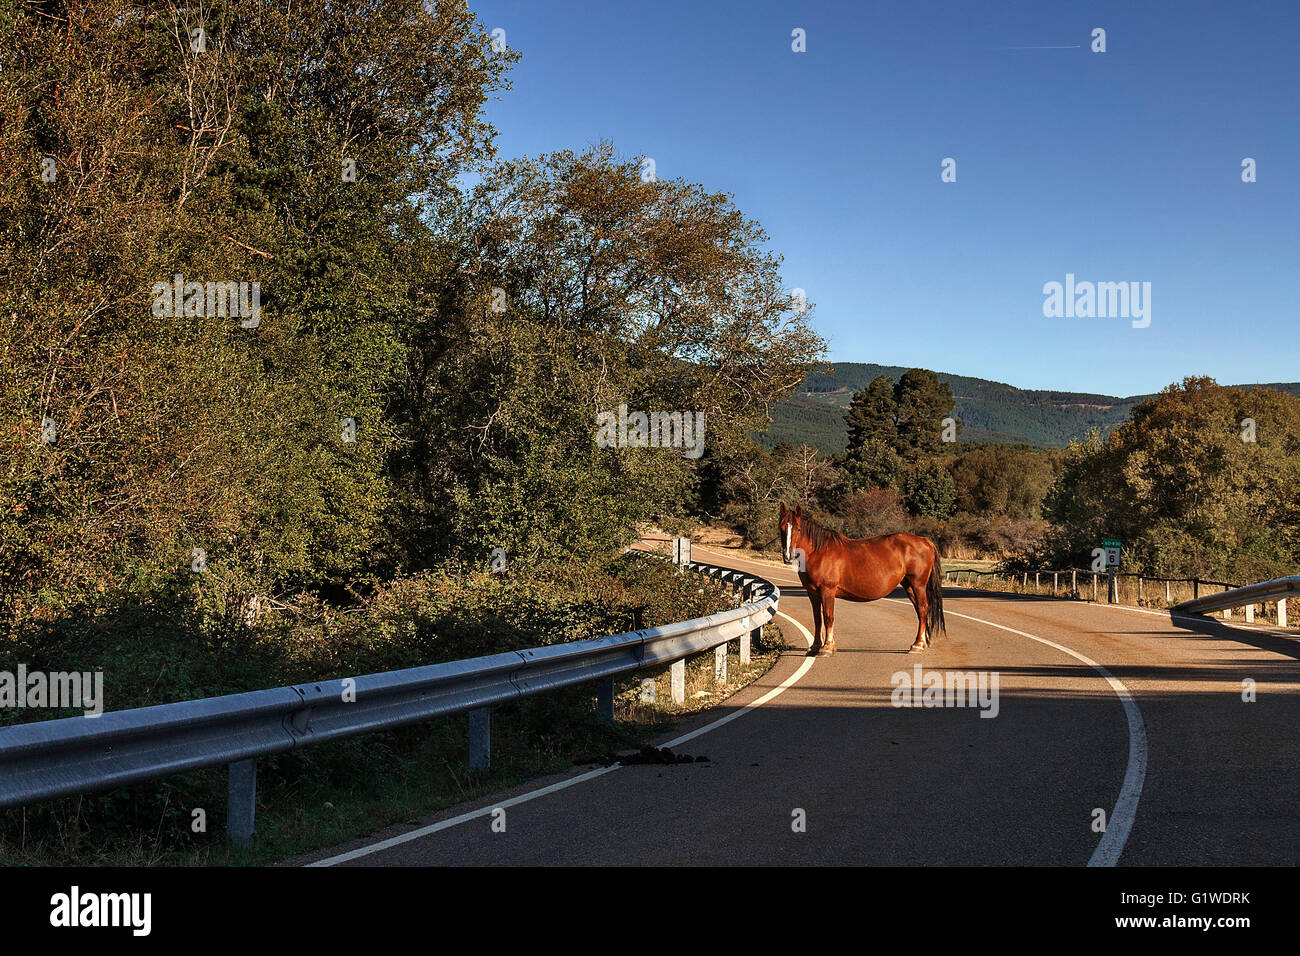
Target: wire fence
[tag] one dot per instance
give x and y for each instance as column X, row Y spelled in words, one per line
column 1132, row 589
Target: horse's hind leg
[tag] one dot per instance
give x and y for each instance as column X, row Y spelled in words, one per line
column 917, row 594
column 828, row 612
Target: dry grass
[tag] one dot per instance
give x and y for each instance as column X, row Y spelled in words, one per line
column 702, row 691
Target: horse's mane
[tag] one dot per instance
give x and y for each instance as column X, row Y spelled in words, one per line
column 818, row 535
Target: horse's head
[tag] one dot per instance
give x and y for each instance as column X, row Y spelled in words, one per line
column 788, row 526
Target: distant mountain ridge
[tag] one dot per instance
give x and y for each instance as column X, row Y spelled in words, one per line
column 989, row 411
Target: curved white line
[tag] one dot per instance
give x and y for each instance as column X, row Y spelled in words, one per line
column 572, row 781
column 1120, row 823
column 1121, row 819
column 774, row 692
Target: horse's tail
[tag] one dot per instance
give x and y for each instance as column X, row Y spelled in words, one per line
column 934, row 624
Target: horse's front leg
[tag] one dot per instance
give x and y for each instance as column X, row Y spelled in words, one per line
column 815, row 597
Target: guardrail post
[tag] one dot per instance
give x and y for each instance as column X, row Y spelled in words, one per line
column 1196, row 588
column 480, row 739
column 677, row 680
column 1281, row 612
column 1227, row 611
column 1250, row 614
column 720, row 664
column 241, row 801
column 751, row 591
column 605, row 698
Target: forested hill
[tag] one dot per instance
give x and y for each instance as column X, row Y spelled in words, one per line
column 989, row 411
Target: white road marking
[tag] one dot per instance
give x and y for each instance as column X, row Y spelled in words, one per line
column 1268, row 630
column 774, row 692
column 1120, row 822
column 572, row 781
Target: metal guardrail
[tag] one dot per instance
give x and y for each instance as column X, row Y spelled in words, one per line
column 1276, row 590
column 54, row 758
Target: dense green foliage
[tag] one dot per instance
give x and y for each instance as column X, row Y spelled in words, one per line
column 1002, row 479
column 225, row 164
column 1201, row 482
column 423, row 380
column 798, row 418
column 989, row 411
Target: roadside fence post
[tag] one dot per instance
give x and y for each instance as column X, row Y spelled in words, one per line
column 241, row 802
column 480, row 739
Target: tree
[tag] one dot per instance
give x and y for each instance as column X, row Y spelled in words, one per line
column 129, row 156
column 906, row 416
column 580, row 290
column 922, row 402
column 425, row 371
column 812, row 473
column 867, row 512
column 929, row 491
column 753, row 485
column 1002, row 480
column 874, row 464
column 873, row 415
column 1199, row 481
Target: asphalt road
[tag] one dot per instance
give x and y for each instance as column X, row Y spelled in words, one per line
column 1099, row 710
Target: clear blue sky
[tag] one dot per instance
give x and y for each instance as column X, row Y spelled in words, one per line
column 1115, row 166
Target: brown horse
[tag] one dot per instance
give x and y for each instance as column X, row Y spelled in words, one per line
column 832, row 565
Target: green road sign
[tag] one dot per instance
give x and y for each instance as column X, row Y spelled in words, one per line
column 1112, row 549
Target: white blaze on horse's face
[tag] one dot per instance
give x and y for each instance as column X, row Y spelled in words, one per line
column 785, row 552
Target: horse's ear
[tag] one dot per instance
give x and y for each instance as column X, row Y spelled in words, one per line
column 783, row 511
column 798, row 510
